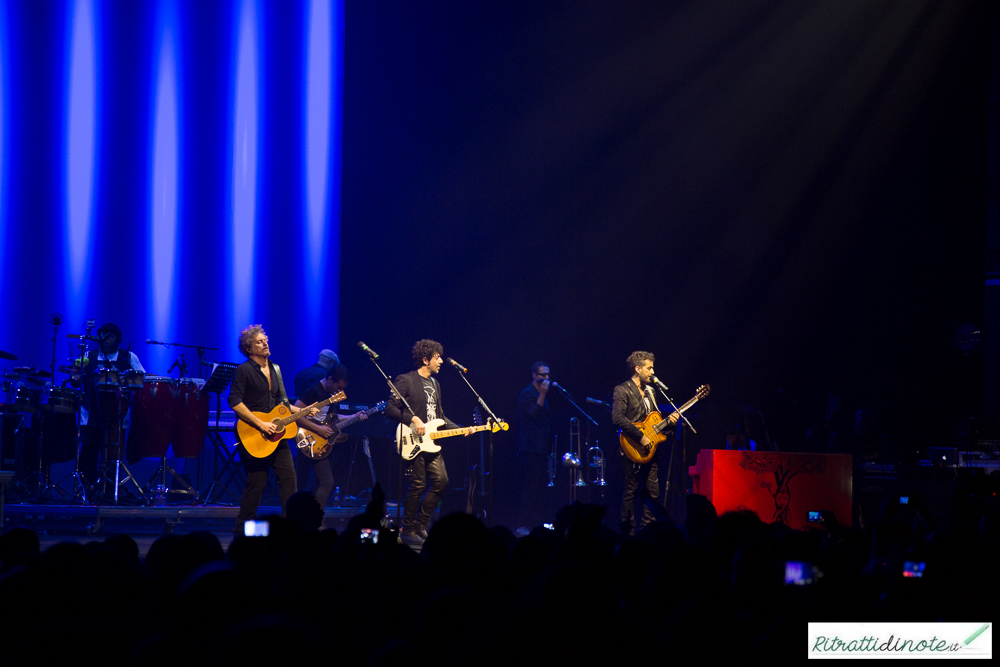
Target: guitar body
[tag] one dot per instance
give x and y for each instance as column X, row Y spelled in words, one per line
column 315, row 446
column 409, row 444
column 636, row 452
column 256, row 444
column 653, row 427
column 259, row 446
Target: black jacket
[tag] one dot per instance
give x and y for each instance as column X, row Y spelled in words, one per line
column 628, row 407
column 533, row 436
column 411, row 386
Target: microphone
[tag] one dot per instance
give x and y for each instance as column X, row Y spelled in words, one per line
column 155, row 342
column 367, row 349
column 552, row 383
column 55, row 319
column 457, row 365
column 658, row 383
column 81, row 337
column 595, row 401
column 177, row 362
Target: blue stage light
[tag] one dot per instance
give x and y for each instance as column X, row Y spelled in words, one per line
column 244, row 176
column 81, row 156
column 164, row 194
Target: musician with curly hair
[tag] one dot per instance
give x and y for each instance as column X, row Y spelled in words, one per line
column 257, row 387
column 423, row 393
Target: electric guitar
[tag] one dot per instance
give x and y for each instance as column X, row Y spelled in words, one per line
column 653, row 427
column 316, row 446
column 259, row 445
column 409, row 444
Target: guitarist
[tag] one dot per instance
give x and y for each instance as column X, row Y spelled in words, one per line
column 336, row 379
column 633, row 401
column 257, row 387
column 423, row 393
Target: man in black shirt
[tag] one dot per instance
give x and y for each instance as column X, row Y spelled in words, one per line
column 533, row 446
column 633, row 401
column 307, row 377
column 257, row 387
column 334, row 381
column 423, row 393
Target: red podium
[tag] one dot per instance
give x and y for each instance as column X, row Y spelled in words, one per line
column 780, row 487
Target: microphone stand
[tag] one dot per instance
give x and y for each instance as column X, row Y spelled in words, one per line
column 200, row 349
column 573, row 403
column 670, row 463
column 399, row 479
column 493, row 419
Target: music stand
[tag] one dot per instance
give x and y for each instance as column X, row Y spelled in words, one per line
column 217, row 382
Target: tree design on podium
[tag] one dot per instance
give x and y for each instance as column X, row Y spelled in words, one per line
column 779, row 465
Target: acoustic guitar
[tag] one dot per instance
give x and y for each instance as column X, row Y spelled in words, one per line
column 315, row 446
column 259, row 445
column 654, row 427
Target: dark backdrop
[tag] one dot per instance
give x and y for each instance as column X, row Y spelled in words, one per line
column 778, row 199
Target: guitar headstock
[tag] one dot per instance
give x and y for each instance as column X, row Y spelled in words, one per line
column 703, row 391
column 499, row 426
column 337, row 398
column 364, row 447
column 378, row 408
column 477, row 417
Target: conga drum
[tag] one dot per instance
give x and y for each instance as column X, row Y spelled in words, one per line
column 152, row 416
column 191, row 407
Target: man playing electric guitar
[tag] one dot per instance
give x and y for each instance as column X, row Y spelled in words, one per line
column 423, row 393
column 633, row 401
column 337, row 377
column 257, row 387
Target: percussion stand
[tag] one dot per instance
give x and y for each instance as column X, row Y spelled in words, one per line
column 162, row 472
column 120, row 445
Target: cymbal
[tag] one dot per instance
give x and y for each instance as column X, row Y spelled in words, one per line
column 8, row 356
column 10, row 376
column 69, row 370
column 23, row 369
column 41, row 374
column 36, row 379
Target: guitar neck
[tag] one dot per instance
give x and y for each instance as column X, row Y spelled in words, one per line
column 295, row 416
column 344, row 423
column 456, row 431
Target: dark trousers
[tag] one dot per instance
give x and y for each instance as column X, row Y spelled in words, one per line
column 256, row 471
column 324, row 476
column 635, row 474
column 534, row 477
column 424, row 467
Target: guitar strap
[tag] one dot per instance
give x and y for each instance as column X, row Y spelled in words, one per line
column 281, row 383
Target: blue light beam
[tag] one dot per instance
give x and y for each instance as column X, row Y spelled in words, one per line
column 164, row 195
column 244, row 184
column 81, row 157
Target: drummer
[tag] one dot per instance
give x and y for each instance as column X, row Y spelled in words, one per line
column 91, row 431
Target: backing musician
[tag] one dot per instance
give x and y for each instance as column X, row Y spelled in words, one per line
column 533, row 447
column 633, row 401
column 335, row 380
column 257, row 387
column 423, row 393
column 100, row 409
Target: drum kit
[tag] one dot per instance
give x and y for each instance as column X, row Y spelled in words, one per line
column 41, row 425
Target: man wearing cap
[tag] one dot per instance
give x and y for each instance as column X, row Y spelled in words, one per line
column 307, row 377
column 97, row 410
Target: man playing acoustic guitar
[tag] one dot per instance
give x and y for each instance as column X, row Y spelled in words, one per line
column 633, row 401
column 257, row 387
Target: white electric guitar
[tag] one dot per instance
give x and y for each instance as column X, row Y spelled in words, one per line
column 409, row 444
